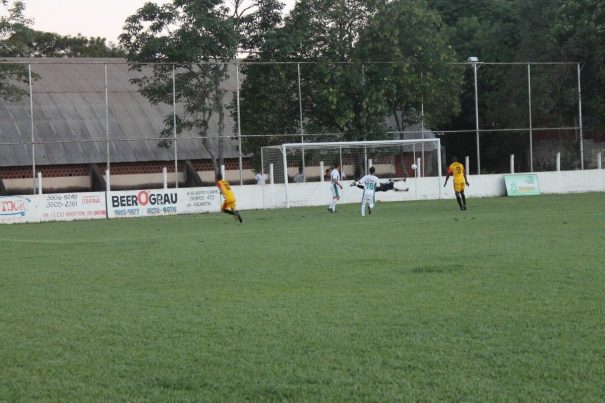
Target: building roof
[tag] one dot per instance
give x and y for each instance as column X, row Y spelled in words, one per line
column 69, row 117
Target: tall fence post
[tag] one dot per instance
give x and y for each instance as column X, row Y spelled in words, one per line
column 580, row 118
column 512, row 163
column 475, row 61
column 31, row 108
column 165, row 176
column 176, row 144
column 300, row 112
column 599, row 160
column 558, row 161
column 531, row 131
column 467, row 164
column 107, row 117
column 239, row 128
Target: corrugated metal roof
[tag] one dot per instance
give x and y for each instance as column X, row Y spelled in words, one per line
column 69, row 104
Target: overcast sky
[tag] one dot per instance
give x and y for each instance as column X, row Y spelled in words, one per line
column 103, row 18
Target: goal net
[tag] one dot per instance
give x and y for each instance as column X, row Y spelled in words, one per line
column 293, row 163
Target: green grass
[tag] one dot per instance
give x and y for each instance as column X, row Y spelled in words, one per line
column 417, row 302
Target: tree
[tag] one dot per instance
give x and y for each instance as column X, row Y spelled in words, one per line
column 411, row 66
column 322, row 35
column 26, row 42
column 578, row 34
column 11, row 19
column 196, row 38
column 367, row 64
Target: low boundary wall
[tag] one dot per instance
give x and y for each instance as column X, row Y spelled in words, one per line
column 157, row 202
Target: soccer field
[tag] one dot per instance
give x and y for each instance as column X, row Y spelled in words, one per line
column 418, row 301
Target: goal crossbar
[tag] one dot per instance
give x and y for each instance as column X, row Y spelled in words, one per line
column 375, row 143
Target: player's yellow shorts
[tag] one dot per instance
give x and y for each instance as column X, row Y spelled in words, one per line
column 458, row 187
column 228, row 204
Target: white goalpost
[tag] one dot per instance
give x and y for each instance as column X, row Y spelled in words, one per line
column 293, row 163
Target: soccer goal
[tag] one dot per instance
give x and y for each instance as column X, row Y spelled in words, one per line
column 294, row 163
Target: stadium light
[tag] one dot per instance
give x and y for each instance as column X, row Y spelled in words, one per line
column 474, row 61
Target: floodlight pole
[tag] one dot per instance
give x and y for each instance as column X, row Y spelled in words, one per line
column 580, row 118
column 475, row 61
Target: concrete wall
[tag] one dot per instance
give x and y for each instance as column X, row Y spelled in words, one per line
column 319, row 194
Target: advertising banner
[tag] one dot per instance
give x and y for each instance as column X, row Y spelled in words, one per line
column 71, row 206
column 52, row 207
column 158, row 202
column 522, row 185
column 18, row 209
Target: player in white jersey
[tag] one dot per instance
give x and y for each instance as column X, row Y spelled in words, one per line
column 334, row 185
column 370, row 184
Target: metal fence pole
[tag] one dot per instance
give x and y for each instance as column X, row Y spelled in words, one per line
column 176, row 144
column 477, row 120
column 531, row 131
column 580, row 118
column 239, row 127
column 421, row 167
column 31, row 108
column 302, row 129
column 107, row 117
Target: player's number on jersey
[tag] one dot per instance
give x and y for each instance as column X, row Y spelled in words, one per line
column 458, row 170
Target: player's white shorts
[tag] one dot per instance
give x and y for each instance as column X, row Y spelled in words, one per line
column 335, row 192
column 368, row 198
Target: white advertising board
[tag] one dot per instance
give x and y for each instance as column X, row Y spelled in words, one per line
column 18, row 209
column 71, row 206
column 52, row 207
column 158, row 202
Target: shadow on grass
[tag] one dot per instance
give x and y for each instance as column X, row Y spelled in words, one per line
column 444, row 268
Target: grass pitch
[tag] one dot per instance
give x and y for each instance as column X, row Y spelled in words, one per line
column 418, row 301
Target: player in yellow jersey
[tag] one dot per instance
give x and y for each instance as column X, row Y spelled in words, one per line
column 456, row 170
column 229, row 203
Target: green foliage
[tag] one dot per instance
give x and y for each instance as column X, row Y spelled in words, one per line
column 473, row 306
column 26, row 42
column 419, row 69
column 11, row 19
column 342, row 90
column 578, row 34
column 196, row 39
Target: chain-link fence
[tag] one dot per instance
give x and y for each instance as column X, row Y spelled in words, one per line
column 107, row 112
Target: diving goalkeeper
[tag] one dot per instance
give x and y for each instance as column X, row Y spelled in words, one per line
column 385, row 186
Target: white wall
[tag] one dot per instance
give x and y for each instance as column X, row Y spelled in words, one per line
column 318, row 193
column 92, row 205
